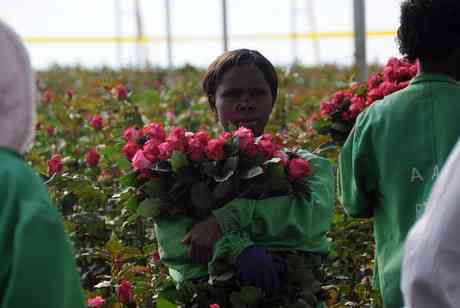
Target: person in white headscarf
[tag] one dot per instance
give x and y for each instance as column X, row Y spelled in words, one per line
column 431, row 267
column 37, row 265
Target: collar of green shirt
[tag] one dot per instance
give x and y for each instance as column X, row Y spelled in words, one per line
column 10, row 152
column 424, row 77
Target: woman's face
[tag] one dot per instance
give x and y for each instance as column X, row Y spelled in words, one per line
column 243, row 98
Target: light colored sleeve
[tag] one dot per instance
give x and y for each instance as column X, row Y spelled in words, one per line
column 431, row 266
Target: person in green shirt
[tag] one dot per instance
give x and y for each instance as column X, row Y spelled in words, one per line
column 37, row 266
column 242, row 86
column 399, row 144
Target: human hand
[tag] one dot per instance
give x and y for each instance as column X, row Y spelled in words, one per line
column 201, row 239
column 256, row 268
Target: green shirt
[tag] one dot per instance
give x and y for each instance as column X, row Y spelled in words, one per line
column 37, row 267
column 279, row 223
column 390, row 161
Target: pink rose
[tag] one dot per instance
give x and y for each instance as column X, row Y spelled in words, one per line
column 403, row 85
column 358, row 103
column 374, row 81
column 166, row 149
column 140, row 162
column 374, row 95
column 388, row 87
column 196, row 149
column 283, row 156
column 156, row 257
column 298, row 168
column 214, row 306
column 131, row 134
column 70, row 94
column 130, row 149
column 95, row 302
column 55, row 164
column 266, row 146
column 202, row 136
column 328, row 108
column 122, row 92
column 177, row 139
column 92, row 157
column 245, row 137
column 225, row 136
column 155, row 130
column 151, row 150
column 47, row 97
column 96, row 122
column 215, row 149
column 125, row 292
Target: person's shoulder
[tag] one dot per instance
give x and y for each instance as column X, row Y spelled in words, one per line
column 14, row 170
column 313, row 158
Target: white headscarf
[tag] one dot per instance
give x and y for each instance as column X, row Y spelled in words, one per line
column 17, row 93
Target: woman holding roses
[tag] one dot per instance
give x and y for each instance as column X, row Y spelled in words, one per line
column 265, row 240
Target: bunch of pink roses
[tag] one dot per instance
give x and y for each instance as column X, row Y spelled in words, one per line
column 170, row 169
column 339, row 112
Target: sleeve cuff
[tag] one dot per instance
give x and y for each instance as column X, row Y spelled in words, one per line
column 228, row 219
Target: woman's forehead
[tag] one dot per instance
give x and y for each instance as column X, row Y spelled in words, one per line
column 243, row 76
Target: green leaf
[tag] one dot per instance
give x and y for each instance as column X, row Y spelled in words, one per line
column 178, row 161
column 164, row 303
column 152, row 188
column 149, row 208
column 253, row 172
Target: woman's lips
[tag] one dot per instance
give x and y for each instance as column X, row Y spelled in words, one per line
column 247, row 123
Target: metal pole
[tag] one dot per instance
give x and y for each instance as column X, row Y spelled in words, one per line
column 168, row 34
column 224, row 25
column 139, row 33
column 311, row 18
column 359, row 16
column 295, row 58
column 118, row 34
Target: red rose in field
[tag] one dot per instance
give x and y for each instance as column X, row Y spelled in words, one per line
column 283, row 156
column 177, row 139
column 225, row 135
column 266, row 146
column 96, row 122
column 374, row 81
column 358, row 103
column 55, row 164
column 70, row 94
column 156, row 256
column 374, row 95
column 141, row 162
column 155, row 130
column 50, row 130
column 403, row 85
column 298, row 168
column 202, row 136
column 196, row 149
column 122, row 92
column 95, row 302
column 131, row 134
column 327, row 108
column 245, row 137
column 215, row 149
column 214, row 306
column 125, row 292
column 47, row 97
column 130, row 149
column 92, row 157
column 166, row 150
column 151, row 150
column 388, row 87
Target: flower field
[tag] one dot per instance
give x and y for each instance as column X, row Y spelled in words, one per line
column 80, row 153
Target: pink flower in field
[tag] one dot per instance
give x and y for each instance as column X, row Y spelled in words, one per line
column 225, row 135
column 196, row 149
column 245, row 137
column 130, row 149
column 177, row 139
column 403, row 85
column 266, row 146
column 95, row 302
column 121, row 92
column 298, row 168
column 214, row 306
column 140, row 162
column 96, row 122
column 166, row 149
column 50, row 130
column 47, row 96
column 131, row 134
column 156, row 257
column 374, row 81
column 215, row 149
column 55, row 164
column 388, row 87
column 92, row 157
column 283, row 156
column 151, row 150
column 358, row 103
column 155, row 130
column 374, row 95
column 202, row 136
column 125, row 292
column 70, row 94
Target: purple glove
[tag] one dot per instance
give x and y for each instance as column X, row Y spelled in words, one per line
column 256, row 268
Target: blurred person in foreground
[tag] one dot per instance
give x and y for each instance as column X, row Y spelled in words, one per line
column 37, row 266
column 431, row 267
column 398, row 145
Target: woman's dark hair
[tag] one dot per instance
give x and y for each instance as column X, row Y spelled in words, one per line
column 237, row 57
column 430, row 29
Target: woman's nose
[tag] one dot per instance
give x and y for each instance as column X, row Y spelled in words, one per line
column 245, row 103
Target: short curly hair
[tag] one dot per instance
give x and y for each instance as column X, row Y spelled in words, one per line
column 233, row 58
column 429, row 29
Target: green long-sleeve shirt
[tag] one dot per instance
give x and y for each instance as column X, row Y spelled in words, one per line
column 37, row 267
column 389, row 163
column 278, row 223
